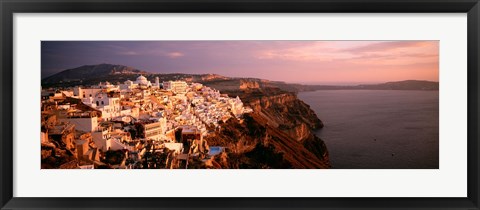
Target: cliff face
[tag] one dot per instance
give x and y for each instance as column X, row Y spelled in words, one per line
column 286, row 109
column 277, row 134
column 244, row 84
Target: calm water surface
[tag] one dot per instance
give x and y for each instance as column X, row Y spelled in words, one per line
column 369, row 129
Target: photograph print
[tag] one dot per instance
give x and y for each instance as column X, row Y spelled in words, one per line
column 240, row 104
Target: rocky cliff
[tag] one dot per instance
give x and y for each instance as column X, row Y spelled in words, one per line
column 277, row 134
column 245, row 84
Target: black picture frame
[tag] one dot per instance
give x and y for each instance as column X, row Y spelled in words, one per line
column 9, row 7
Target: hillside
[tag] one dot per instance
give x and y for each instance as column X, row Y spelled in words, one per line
column 93, row 74
column 90, row 72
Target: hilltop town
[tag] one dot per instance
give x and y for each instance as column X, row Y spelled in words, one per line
column 133, row 125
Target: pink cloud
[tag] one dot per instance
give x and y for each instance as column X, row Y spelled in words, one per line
column 384, row 46
column 309, row 51
column 396, row 53
column 358, row 52
column 174, row 54
column 358, row 60
column 128, row 53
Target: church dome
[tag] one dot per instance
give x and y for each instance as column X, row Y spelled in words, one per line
column 141, row 80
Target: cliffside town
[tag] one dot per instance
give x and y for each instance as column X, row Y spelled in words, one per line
column 177, row 124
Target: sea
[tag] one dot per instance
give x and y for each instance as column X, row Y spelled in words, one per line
column 378, row 129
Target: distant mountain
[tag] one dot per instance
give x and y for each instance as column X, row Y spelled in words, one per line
column 89, row 72
column 241, row 83
column 93, row 74
column 398, row 85
column 403, row 85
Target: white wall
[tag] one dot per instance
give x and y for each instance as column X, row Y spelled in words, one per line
column 99, row 141
column 178, row 147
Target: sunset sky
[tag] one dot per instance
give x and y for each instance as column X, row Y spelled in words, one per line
column 309, row 62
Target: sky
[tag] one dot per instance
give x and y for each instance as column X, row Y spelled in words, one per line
column 307, row 62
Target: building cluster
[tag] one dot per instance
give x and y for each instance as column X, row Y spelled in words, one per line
column 137, row 124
